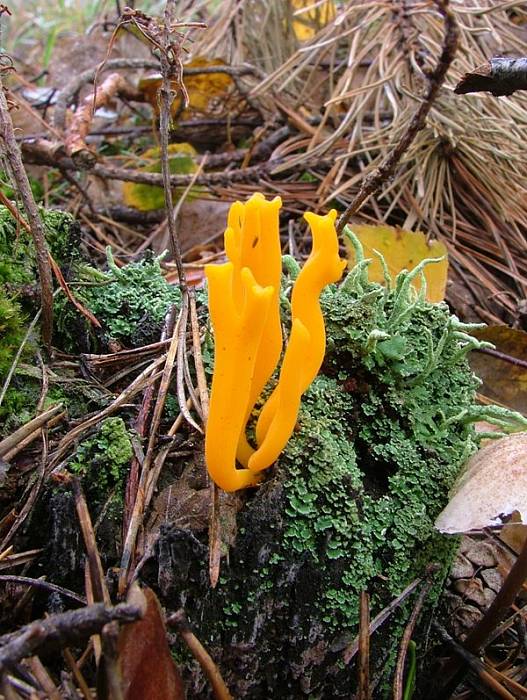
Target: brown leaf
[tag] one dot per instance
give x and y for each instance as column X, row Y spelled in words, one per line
column 147, row 669
column 491, row 489
column 503, row 381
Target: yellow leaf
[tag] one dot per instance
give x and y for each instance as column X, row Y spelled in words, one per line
column 308, row 23
column 402, row 250
column 208, row 92
column 149, row 197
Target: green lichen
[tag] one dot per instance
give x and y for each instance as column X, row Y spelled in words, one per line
column 383, row 434
column 12, row 332
column 130, row 303
column 102, row 462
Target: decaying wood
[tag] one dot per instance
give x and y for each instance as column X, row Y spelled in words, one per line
column 75, row 139
column 500, row 76
column 62, row 629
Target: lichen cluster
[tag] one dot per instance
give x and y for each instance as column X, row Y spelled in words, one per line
column 382, row 437
column 130, row 302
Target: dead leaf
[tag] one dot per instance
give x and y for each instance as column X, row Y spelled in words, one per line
column 149, row 197
column 503, row 382
column 208, row 92
column 402, row 250
column 492, row 488
column 514, row 534
column 147, row 668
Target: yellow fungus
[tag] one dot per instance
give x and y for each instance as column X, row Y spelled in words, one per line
column 237, row 333
column 322, row 267
column 252, row 240
column 245, row 314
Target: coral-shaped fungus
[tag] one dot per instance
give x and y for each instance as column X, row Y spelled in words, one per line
column 244, row 310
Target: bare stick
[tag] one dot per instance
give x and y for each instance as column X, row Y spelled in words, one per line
column 63, row 629
column 8, row 443
column 364, row 647
column 179, row 621
column 499, row 76
column 169, row 71
column 398, row 686
column 45, row 585
column 380, row 619
column 373, row 182
column 11, row 151
column 100, row 590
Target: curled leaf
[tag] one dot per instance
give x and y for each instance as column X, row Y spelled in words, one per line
column 147, row 668
column 491, row 489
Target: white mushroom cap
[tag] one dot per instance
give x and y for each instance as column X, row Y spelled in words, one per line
column 491, row 488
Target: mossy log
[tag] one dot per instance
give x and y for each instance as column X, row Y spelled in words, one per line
column 381, row 437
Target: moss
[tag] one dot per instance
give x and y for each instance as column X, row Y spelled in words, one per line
column 130, row 303
column 18, row 264
column 18, row 283
column 12, row 331
column 101, row 460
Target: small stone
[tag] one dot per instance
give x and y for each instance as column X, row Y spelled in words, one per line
column 465, row 544
column 471, row 590
column 462, row 568
column 464, row 620
column 489, row 597
column 482, row 554
column 493, row 579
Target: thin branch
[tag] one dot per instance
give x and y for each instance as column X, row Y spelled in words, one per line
column 45, row 585
column 398, row 686
column 351, row 650
column 179, row 621
column 364, row 647
column 62, row 629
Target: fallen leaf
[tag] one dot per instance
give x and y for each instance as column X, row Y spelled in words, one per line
column 208, row 92
column 147, row 669
column 491, row 489
column 503, row 382
column 316, row 15
column 402, row 250
column 149, row 197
